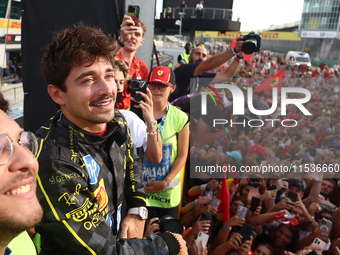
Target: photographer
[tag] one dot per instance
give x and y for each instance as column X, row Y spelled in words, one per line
column 199, row 65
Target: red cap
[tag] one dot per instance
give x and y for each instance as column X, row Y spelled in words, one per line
column 259, row 149
column 294, row 116
column 162, row 74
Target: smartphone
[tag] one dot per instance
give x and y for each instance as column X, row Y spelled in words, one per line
column 246, row 231
column 205, row 216
column 305, row 158
column 292, row 195
column 326, row 225
column 137, row 85
column 318, row 244
column 271, row 187
column 244, row 211
column 215, row 201
column 255, row 202
column 253, row 235
column 219, row 149
column 202, row 237
column 209, row 192
column 133, row 11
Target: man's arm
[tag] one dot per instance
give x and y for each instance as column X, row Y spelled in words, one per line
column 219, row 59
column 73, row 217
column 133, row 225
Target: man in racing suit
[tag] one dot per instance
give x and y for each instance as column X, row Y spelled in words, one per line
column 88, row 162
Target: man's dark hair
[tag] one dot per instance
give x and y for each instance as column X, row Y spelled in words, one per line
column 74, row 47
column 4, row 104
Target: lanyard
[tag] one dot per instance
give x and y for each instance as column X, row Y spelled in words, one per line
column 163, row 120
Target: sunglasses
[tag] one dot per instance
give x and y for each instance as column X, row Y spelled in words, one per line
column 326, row 218
column 237, row 204
column 161, row 87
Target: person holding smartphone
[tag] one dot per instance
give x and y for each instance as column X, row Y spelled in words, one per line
column 128, row 47
column 163, row 180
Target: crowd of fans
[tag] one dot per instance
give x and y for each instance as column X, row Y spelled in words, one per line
column 310, row 152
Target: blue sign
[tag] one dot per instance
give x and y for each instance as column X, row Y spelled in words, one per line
column 17, row 112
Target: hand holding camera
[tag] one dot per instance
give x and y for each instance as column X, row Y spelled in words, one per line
column 152, row 227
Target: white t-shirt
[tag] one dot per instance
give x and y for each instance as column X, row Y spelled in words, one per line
column 199, row 6
column 137, row 129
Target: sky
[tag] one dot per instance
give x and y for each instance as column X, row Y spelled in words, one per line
column 260, row 14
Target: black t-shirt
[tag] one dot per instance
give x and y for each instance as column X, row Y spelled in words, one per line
column 183, row 75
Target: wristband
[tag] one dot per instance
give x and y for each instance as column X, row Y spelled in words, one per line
column 239, row 57
column 203, row 187
column 167, row 180
column 179, row 243
column 233, row 49
column 120, row 43
column 152, row 133
column 226, row 227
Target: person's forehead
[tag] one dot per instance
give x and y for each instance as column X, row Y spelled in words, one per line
column 8, row 126
column 119, row 74
column 200, row 50
column 327, row 182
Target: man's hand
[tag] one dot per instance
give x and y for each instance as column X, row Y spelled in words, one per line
column 301, row 205
column 254, row 192
column 268, row 194
column 282, row 184
column 214, row 185
column 234, row 241
column 152, row 227
column 184, row 250
column 208, row 209
column 156, row 186
column 127, row 28
column 238, row 45
column 245, row 247
column 132, row 226
column 285, row 203
column 204, row 200
column 203, row 226
column 235, row 220
column 314, row 208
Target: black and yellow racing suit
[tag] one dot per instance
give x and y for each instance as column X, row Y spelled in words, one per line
column 82, row 181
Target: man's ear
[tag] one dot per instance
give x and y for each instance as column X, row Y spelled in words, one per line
column 142, row 42
column 56, row 94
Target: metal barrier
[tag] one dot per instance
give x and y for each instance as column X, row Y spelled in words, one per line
column 3, row 91
column 207, row 13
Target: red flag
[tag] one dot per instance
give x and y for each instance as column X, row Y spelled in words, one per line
column 224, row 197
column 275, row 81
column 247, row 57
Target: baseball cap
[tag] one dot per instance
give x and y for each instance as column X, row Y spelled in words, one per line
column 235, row 154
column 296, row 183
column 162, row 74
column 258, row 149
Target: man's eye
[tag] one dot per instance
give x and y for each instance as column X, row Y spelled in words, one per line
column 86, row 81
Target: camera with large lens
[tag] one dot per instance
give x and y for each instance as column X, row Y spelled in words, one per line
column 252, row 42
column 168, row 223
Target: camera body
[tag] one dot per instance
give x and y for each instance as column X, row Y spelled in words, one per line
column 168, row 223
column 252, row 42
